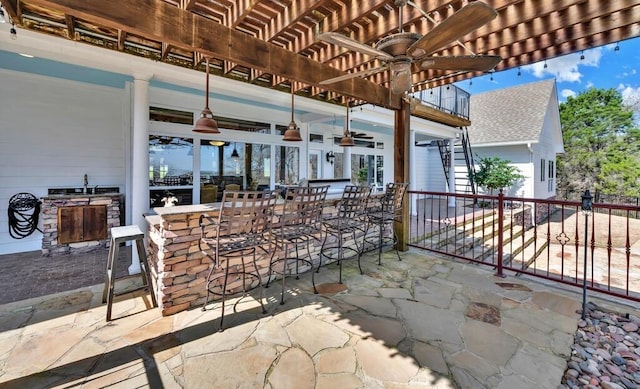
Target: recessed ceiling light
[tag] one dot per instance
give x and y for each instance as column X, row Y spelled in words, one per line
column 26, row 55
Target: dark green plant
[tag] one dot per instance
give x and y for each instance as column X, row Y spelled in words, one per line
column 496, row 173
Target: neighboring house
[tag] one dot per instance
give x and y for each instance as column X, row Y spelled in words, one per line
column 520, row 124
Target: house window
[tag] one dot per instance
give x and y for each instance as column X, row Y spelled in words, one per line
column 552, row 174
column 170, row 170
column 287, row 164
column 542, row 170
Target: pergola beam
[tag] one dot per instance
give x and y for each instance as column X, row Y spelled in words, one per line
column 188, row 31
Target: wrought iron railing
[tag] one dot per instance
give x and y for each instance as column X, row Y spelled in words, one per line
column 534, row 237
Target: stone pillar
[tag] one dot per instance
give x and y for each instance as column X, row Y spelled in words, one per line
column 139, row 159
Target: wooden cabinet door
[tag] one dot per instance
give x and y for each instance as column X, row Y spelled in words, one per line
column 81, row 224
column 70, row 224
column 94, row 223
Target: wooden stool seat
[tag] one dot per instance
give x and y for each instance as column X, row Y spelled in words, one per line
column 120, row 235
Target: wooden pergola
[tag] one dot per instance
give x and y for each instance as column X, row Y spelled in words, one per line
column 271, row 43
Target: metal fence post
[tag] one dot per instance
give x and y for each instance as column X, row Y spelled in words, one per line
column 500, row 231
column 586, row 209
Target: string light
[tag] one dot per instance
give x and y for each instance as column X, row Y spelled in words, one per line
column 13, row 34
column 545, row 64
column 617, row 48
column 582, row 55
column 519, row 72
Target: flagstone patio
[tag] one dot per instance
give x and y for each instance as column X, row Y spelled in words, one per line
column 424, row 322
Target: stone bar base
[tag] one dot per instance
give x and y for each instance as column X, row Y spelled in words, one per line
column 179, row 267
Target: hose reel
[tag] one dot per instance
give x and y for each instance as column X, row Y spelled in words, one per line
column 24, row 214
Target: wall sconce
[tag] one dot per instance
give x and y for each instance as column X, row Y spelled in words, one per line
column 331, row 157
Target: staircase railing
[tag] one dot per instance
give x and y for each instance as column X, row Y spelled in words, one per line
column 462, row 151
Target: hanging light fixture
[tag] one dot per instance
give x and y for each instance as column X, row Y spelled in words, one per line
column 217, row 143
column 234, row 154
column 292, row 134
column 206, row 124
column 347, row 140
column 13, row 33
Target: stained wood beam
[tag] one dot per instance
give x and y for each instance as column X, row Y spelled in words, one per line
column 71, row 27
column 239, row 11
column 12, row 8
column 188, row 31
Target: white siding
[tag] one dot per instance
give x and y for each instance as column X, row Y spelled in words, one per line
column 520, row 157
column 53, row 132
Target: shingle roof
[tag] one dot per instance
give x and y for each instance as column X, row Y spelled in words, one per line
column 514, row 114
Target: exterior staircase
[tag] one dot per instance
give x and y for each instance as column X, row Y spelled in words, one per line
column 476, row 239
column 463, row 159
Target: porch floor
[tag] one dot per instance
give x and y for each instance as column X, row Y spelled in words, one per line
column 424, row 322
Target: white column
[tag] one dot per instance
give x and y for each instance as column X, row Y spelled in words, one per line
column 346, row 162
column 139, row 160
column 452, row 171
column 413, row 171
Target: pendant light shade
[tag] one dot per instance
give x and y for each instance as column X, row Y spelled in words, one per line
column 347, row 139
column 292, row 134
column 234, row 154
column 206, row 124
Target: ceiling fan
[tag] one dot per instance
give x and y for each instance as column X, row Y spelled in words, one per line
column 402, row 51
column 360, row 135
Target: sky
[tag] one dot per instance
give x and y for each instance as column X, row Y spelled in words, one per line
column 602, row 67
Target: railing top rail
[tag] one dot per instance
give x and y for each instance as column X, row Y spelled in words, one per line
column 623, row 207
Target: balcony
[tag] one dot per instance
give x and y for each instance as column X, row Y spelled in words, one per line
column 447, row 98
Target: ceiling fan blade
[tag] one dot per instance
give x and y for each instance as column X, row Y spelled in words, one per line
column 348, row 76
column 462, row 62
column 351, row 44
column 465, row 20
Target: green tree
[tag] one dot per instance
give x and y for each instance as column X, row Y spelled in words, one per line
column 496, row 173
column 601, row 144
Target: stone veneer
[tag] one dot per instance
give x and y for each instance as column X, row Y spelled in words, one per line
column 180, row 268
column 49, row 217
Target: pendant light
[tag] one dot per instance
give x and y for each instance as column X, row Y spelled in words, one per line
column 206, row 124
column 292, row 134
column 347, row 140
column 234, row 154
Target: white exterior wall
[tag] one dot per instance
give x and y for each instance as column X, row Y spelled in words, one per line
column 520, row 156
column 54, row 132
column 435, row 180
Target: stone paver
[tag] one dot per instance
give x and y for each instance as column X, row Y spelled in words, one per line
column 424, row 322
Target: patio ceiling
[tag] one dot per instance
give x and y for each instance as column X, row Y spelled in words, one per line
column 271, row 43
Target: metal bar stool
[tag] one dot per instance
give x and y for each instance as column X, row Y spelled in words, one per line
column 347, row 221
column 121, row 235
column 300, row 222
column 384, row 215
column 240, row 228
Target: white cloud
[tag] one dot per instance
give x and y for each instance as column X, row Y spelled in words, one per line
column 565, row 68
column 566, row 93
column 630, row 95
